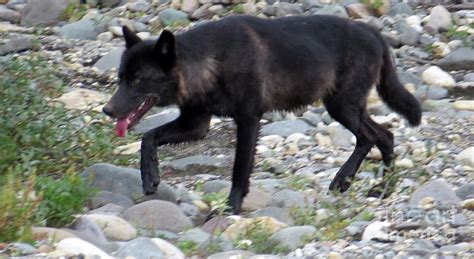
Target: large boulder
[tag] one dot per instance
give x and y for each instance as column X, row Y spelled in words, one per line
column 43, row 12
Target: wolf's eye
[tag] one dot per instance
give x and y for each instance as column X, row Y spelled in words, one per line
column 136, row 81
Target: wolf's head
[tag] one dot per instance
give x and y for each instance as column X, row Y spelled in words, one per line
column 146, row 78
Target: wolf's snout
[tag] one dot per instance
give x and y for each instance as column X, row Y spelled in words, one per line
column 108, row 111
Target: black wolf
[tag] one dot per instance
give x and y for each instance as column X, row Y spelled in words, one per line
column 243, row 66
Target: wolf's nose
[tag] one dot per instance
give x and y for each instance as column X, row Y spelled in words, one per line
column 107, row 110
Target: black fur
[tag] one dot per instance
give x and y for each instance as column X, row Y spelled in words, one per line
column 244, row 66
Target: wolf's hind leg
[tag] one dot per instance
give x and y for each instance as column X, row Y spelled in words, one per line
column 190, row 125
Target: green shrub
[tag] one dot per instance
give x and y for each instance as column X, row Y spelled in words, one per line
column 37, row 135
column 63, row 198
column 18, row 205
column 37, row 138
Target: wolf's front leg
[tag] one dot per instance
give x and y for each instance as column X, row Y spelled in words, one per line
column 247, row 133
column 190, row 125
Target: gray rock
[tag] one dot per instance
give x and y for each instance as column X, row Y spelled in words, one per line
column 312, row 118
column 105, row 36
column 466, row 157
column 431, row 92
column 290, row 198
column 156, row 120
column 308, row 4
column 104, row 3
column 196, row 235
column 285, row 128
column 292, row 237
column 462, row 58
column 202, row 12
column 333, row 9
column 138, row 6
column 269, row 10
column 85, row 29
column 43, row 12
column 392, row 39
column 21, row 249
column 12, row 4
column 141, row 247
column 125, row 181
column 459, row 220
column 157, row 215
column 231, row 254
column 110, row 60
column 466, row 191
column 437, row 105
column 284, row 9
column 198, row 161
column 9, row 15
column 340, row 136
column 106, row 197
column 280, row 214
column 356, row 228
column 189, row 209
column 189, row 6
column 440, row 19
column 108, row 209
column 10, row 44
column 170, row 15
column 215, row 186
column 439, row 190
column 469, row 77
column 89, row 231
column 401, row 8
column 456, row 248
column 409, row 36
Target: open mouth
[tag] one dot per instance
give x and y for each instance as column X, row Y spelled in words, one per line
column 134, row 116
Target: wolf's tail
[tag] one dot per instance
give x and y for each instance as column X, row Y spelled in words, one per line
column 393, row 93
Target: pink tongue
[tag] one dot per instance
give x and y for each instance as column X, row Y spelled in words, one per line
column 121, row 127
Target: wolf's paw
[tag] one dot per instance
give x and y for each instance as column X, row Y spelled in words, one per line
column 150, row 183
column 340, row 183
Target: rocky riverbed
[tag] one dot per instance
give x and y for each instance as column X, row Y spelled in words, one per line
column 429, row 211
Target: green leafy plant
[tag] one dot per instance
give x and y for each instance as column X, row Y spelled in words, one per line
column 63, row 198
column 188, row 247
column 18, row 204
column 74, row 11
column 37, row 135
column 255, row 238
column 217, row 201
column 238, row 9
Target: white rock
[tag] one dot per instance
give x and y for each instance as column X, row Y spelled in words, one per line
column 405, row 163
column 78, row 246
column 170, row 251
column 116, row 30
column 440, row 49
column 464, row 105
column 105, row 36
column 413, row 20
column 144, row 35
column 114, row 227
column 128, row 149
column 466, row 156
column 82, row 99
column 296, row 137
column 377, row 229
column 436, row 76
column 271, row 141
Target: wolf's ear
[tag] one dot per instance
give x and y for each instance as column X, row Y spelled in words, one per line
column 165, row 48
column 130, row 37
